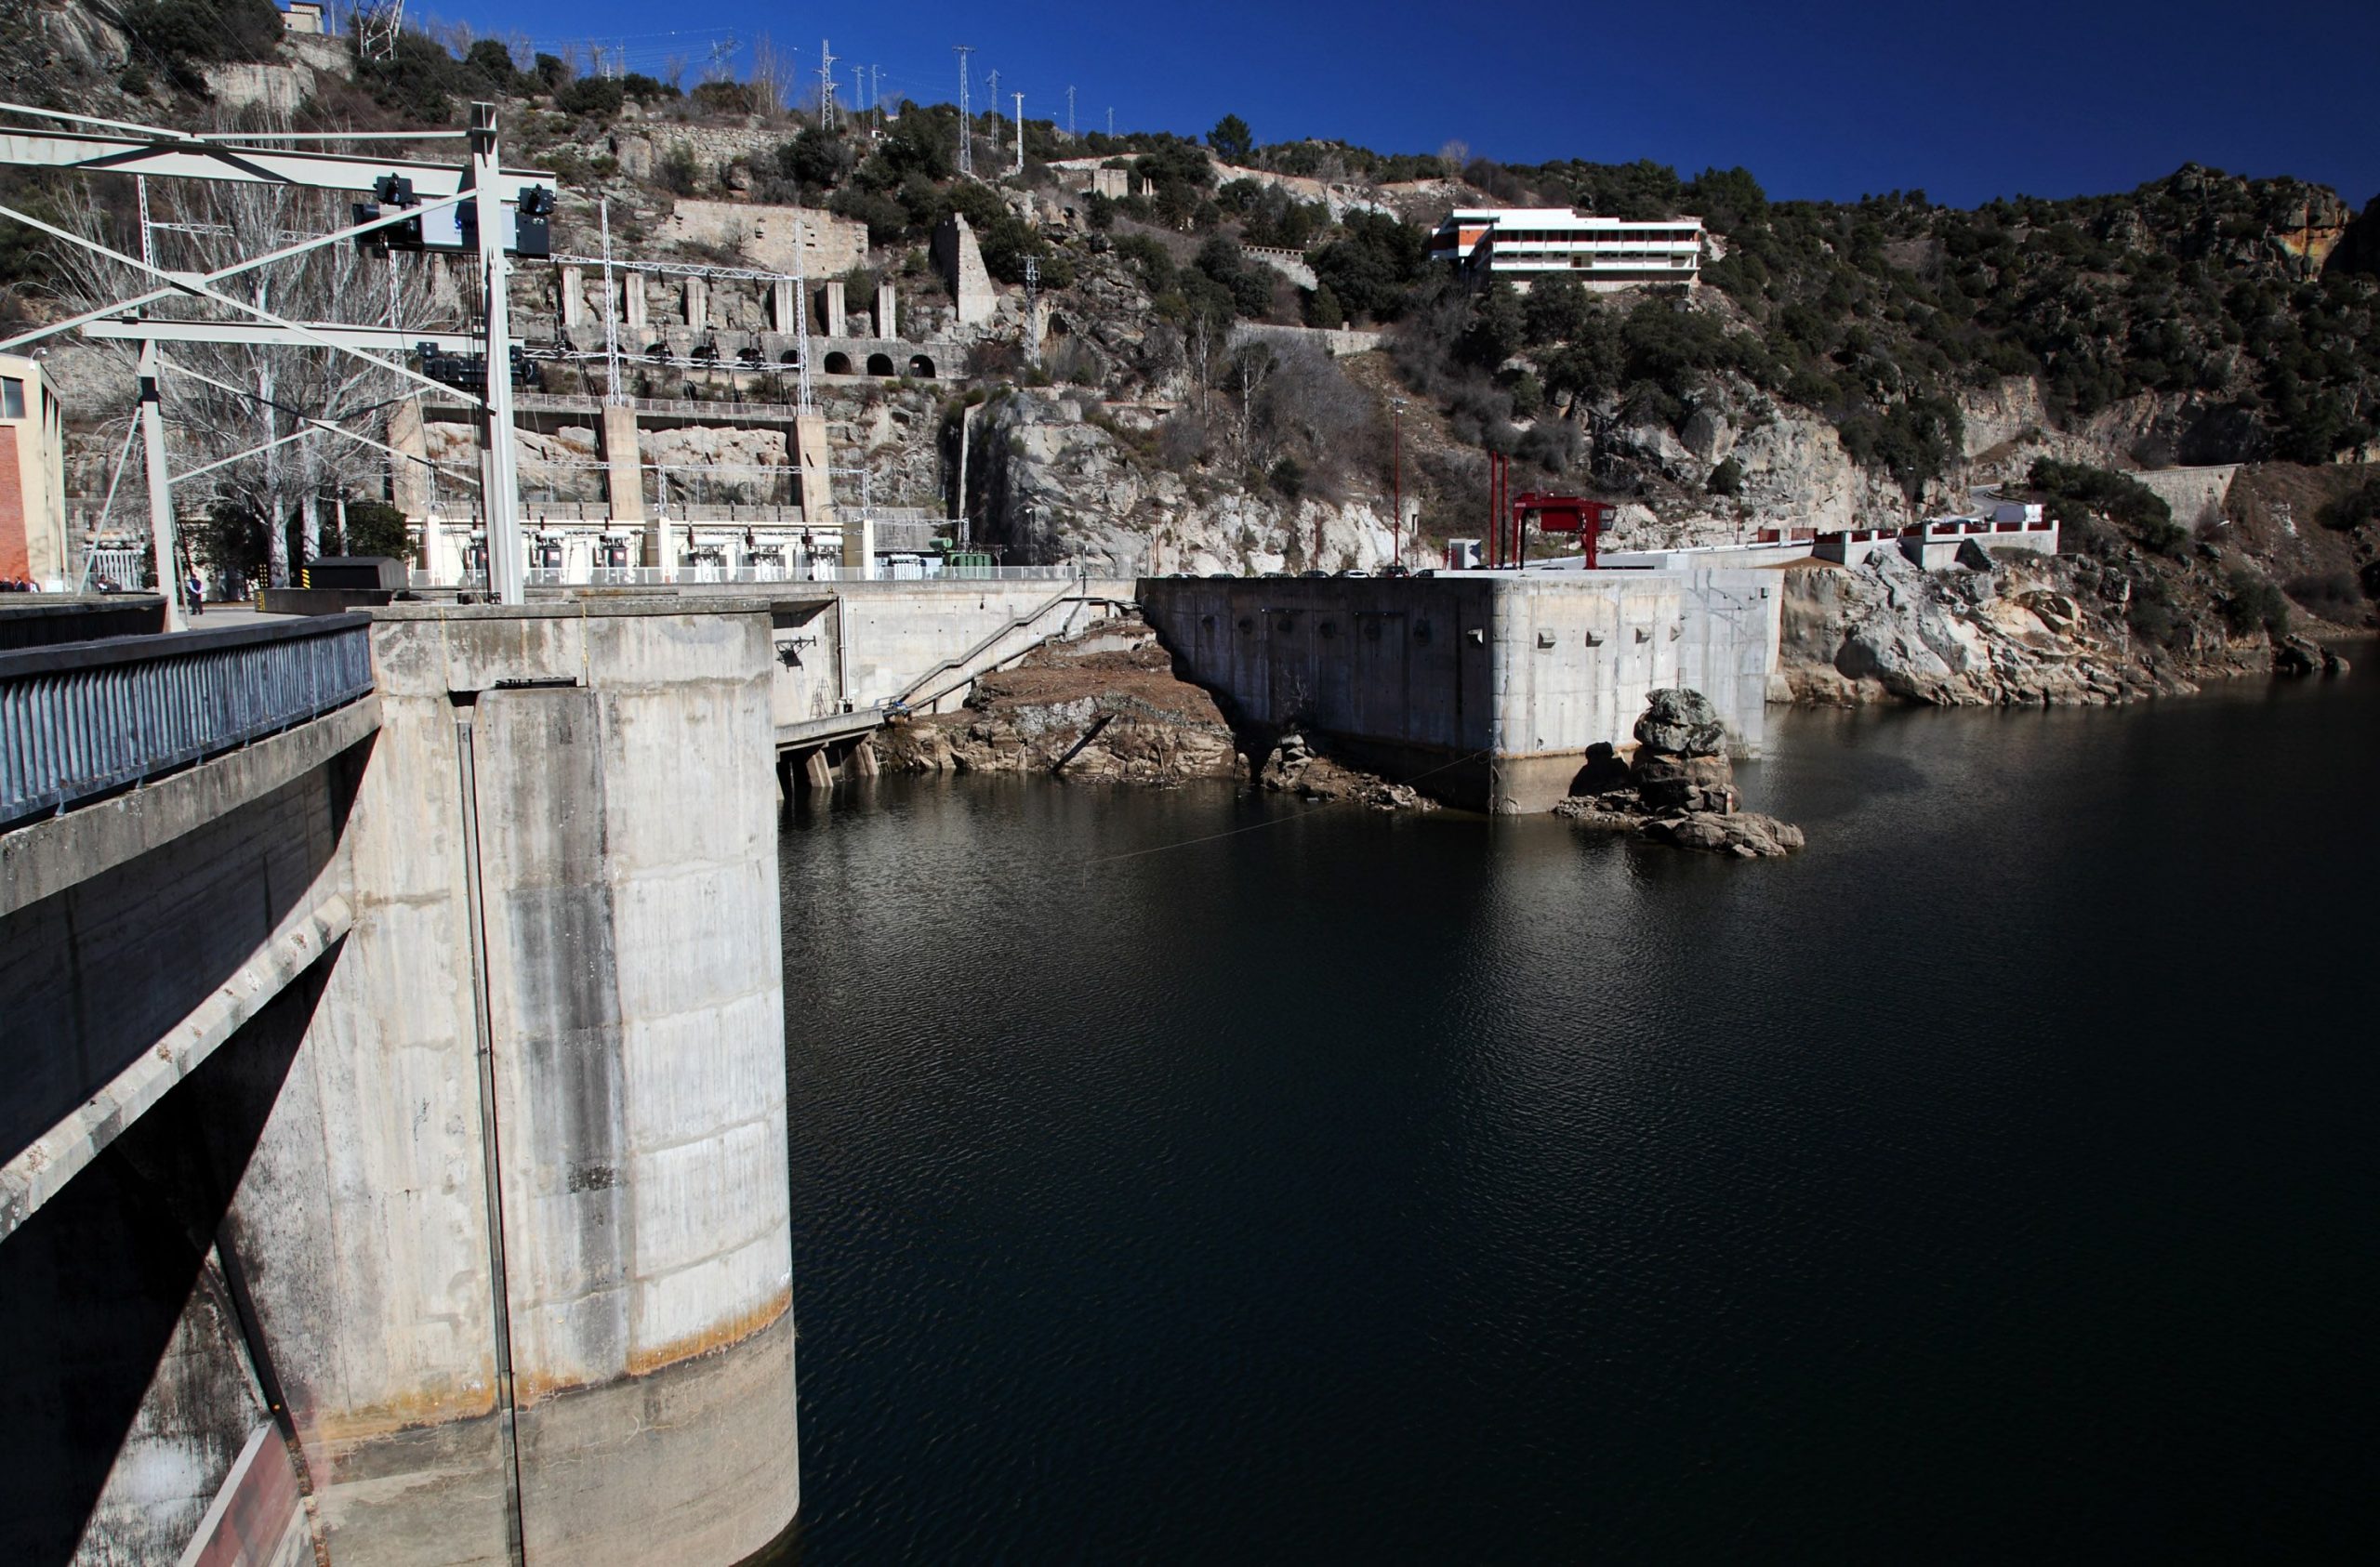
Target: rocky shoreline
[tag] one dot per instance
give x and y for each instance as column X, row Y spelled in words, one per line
column 1104, row 704
column 1293, row 767
column 2015, row 629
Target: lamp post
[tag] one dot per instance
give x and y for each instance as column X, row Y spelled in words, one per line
column 1397, row 481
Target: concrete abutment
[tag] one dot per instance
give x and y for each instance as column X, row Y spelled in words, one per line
column 481, row 1203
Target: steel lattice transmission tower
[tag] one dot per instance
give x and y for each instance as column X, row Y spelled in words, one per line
column 376, row 27
column 966, row 151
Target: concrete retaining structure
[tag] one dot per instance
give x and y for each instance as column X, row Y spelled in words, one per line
column 529, row 815
column 961, row 260
column 435, row 1072
column 1484, row 690
column 2196, row 494
column 888, row 635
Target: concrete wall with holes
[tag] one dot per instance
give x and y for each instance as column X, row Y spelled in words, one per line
column 1485, row 690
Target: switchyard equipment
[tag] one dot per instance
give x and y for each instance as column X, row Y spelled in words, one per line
column 475, row 207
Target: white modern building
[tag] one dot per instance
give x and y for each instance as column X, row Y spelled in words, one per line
column 1522, row 244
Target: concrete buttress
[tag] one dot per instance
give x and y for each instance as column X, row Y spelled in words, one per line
column 606, row 774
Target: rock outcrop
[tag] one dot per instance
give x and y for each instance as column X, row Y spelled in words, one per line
column 1060, row 483
column 1679, row 788
column 2025, row 630
column 1103, row 706
column 1681, row 723
column 1293, row 767
column 2303, row 655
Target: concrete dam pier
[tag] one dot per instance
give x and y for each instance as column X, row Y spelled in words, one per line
column 1482, row 689
column 395, row 1159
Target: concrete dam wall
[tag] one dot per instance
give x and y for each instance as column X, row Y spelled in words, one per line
column 466, row 1236
column 1482, row 689
column 566, row 902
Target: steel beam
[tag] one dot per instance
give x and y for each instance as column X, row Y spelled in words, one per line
column 499, row 461
column 304, row 335
column 161, row 489
column 187, row 158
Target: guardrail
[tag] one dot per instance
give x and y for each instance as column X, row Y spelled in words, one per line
column 687, row 576
column 83, row 719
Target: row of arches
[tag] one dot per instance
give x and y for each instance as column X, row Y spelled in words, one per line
column 839, row 363
column 835, row 363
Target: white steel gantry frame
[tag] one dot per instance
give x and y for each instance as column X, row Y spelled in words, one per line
column 103, row 146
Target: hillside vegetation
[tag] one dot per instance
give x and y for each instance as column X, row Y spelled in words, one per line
column 2201, row 318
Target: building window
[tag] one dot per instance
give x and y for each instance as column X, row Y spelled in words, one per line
column 12, row 398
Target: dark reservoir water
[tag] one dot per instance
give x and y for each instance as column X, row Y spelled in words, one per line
column 1997, row 1181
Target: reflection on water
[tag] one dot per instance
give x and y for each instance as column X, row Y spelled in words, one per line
column 1187, row 1176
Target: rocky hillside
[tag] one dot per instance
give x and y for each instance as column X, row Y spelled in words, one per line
column 1237, row 361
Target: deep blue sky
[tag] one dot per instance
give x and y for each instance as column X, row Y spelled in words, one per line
column 1967, row 100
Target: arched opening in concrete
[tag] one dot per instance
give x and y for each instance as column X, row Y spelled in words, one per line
column 920, row 365
column 839, row 364
column 881, row 364
column 791, row 356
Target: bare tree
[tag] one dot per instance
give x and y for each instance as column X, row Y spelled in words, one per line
column 1251, row 367
column 1205, row 336
column 774, row 78
column 222, row 401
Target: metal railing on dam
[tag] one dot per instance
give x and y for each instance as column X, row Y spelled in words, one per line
column 83, row 719
column 695, row 576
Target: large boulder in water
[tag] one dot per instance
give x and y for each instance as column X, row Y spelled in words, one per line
column 1667, row 782
column 1679, row 722
column 1745, row 835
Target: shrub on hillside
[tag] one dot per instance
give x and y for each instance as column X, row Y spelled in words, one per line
column 2251, row 604
column 1372, row 265
column 816, row 160
column 887, row 219
column 679, row 171
column 492, row 62
column 2353, row 509
column 2331, row 594
column 2072, row 491
column 598, row 97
